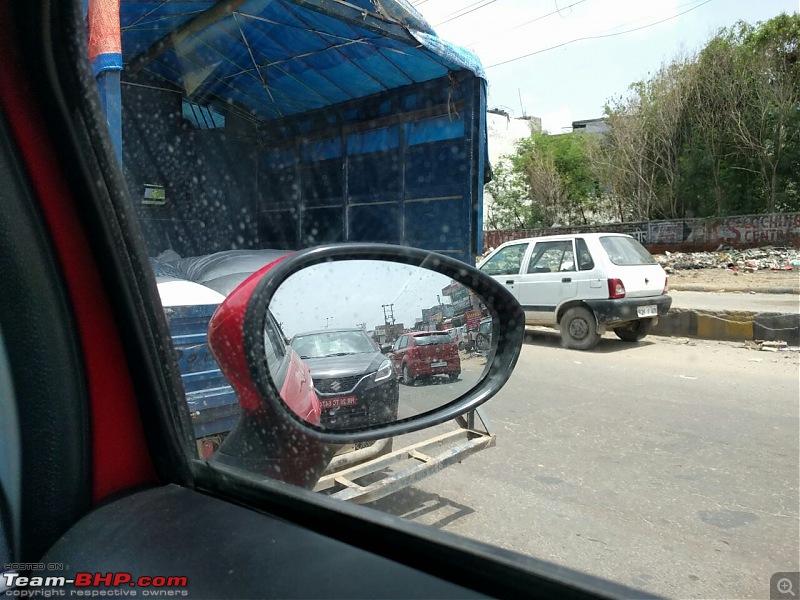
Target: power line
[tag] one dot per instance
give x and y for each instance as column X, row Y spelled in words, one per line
column 539, row 18
column 463, row 8
column 595, row 37
column 467, row 12
column 557, row 11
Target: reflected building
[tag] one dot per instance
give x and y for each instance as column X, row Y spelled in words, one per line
column 466, row 306
column 387, row 333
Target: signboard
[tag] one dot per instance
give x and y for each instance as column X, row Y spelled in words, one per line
column 451, row 289
column 473, row 320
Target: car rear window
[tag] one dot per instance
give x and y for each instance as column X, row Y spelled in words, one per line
column 433, row 339
column 336, row 343
column 625, row 251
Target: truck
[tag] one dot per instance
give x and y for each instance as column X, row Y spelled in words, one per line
column 320, row 122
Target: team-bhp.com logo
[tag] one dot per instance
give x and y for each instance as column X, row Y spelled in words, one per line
column 92, row 585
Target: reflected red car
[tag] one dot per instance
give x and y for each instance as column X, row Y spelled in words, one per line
column 259, row 443
column 424, row 354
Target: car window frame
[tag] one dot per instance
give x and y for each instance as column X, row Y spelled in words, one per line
column 525, row 253
column 631, row 242
column 581, row 240
column 536, row 255
column 279, row 351
column 70, row 91
column 398, row 344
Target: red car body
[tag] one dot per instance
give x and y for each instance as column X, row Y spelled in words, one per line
column 225, row 333
column 426, row 353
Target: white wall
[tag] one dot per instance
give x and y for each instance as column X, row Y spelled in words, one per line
column 504, row 132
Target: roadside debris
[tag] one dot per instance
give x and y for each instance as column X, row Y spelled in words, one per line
column 769, row 346
column 749, row 260
column 682, row 341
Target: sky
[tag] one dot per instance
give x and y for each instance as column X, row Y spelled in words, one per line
column 574, row 81
column 315, row 297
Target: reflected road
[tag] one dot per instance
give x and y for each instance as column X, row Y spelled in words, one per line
column 432, row 392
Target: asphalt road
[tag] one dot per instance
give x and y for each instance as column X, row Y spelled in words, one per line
column 671, row 466
column 432, row 392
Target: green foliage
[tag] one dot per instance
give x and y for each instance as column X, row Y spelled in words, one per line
column 509, row 208
column 549, row 180
column 708, row 134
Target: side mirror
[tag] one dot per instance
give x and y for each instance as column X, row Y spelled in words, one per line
column 360, row 394
column 386, row 348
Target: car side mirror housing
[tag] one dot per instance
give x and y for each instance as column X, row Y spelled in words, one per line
column 311, row 291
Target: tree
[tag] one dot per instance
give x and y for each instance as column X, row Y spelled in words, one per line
column 648, row 129
column 765, row 110
column 560, row 177
column 712, row 133
column 508, row 206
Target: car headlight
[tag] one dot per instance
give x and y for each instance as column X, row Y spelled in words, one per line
column 385, row 371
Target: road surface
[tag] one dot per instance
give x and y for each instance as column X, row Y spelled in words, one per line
column 765, row 303
column 432, row 392
column 670, row 466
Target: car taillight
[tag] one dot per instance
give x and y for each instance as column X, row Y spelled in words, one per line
column 616, row 289
column 666, row 285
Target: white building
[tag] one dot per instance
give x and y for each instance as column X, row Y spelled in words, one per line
column 504, row 132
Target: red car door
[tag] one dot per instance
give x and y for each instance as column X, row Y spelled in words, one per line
column 399, row 351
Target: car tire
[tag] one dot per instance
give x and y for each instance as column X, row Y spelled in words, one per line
column 634, row 331
column 579, row 328
column 454, row 376
column 482, row 341
column 408, row 379
column 462, row 346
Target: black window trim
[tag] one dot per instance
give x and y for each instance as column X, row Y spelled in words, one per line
column 67, row 88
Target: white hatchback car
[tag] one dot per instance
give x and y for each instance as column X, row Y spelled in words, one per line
column 583, row 284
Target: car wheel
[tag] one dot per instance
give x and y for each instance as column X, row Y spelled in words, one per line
column 408, row 379
column 453, row 376
column 462, row 346
column 482, row 341
column 579, row 328
column 635, row 330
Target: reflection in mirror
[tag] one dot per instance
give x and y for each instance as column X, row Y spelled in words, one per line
column 383, row 341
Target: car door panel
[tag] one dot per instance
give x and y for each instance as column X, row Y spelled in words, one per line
column 541, row 289
column 400, row 348
column 124, row 377
column 231, row 551
column 506, row 265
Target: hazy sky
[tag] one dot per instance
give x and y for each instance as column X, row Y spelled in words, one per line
column 316, row 296
column 574, row 81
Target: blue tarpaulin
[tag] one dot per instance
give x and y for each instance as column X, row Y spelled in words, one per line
column 275, row 58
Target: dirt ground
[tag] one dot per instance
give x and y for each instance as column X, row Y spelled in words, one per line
column 762, row 280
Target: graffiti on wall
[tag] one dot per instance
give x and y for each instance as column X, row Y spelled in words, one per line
column 748, row 230
column 759, row 229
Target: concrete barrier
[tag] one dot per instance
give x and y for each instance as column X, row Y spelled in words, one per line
column 731, row 326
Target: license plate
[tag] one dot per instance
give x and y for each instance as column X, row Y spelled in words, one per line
column 438, row 364
column 647, row 311
column 337, row 402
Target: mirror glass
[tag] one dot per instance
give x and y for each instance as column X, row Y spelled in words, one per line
column 374, row 341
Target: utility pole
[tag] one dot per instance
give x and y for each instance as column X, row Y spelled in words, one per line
column 390, row 316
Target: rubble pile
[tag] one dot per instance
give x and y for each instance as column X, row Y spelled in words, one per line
column 749, row 260
column 765, row 346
